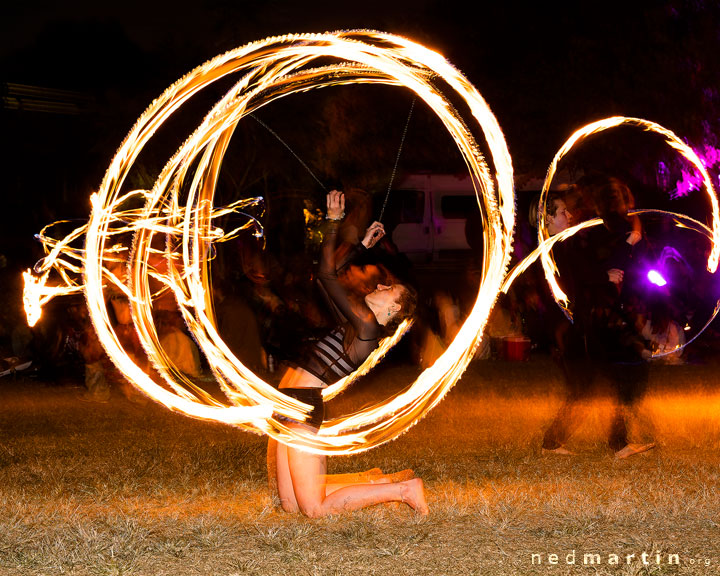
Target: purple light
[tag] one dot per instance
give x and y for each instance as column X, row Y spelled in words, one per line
column 656, row 278
column 690, row 180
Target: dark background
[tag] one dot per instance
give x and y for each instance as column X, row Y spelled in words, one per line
column 544, row 70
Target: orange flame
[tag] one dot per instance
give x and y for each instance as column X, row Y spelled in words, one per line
column 268, row 70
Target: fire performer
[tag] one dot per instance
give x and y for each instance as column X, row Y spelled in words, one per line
column 302, row 482
column 605, row 338
column 567, row 340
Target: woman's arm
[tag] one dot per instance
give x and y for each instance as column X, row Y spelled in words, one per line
column 328, row 273
column 335, row 214
column 372, row 236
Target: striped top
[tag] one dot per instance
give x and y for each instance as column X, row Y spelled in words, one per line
column 331, row 358
column 327, row 358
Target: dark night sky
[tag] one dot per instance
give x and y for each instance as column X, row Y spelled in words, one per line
column 545, row 71
column 593, row 57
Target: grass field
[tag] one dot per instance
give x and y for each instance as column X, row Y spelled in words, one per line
column 123, row 488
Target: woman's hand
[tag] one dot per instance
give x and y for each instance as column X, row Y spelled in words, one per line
column 373, row 234
column 615, row 275
column 633, row 237
column 335, row 205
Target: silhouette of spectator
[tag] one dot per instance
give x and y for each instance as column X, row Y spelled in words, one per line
column 171, row 329
column 238, row 327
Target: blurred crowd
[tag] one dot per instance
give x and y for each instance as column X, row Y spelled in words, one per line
column 268, row 305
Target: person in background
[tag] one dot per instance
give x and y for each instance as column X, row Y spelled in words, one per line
column 604, row 341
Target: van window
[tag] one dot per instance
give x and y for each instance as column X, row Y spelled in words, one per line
column 412, row 205
column 456, row 207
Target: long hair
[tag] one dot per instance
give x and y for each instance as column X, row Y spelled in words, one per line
column 408, row 304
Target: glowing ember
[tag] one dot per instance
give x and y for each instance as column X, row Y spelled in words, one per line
column 33, row 297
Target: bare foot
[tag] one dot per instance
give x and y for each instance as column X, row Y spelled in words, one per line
column 633, row 449
column 413, row 494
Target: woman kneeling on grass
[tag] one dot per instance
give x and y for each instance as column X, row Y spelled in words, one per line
column 302, row 482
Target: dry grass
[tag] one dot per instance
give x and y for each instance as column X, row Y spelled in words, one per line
column 129, row 489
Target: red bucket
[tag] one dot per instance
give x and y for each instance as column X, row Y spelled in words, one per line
column 516, row 348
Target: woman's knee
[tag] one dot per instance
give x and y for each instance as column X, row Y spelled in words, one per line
column 309, row 502
column 289, row 506
column 313, row 510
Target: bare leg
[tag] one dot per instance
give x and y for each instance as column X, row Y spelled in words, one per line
column 400, row 476
column 307, row 472
column 335, row 482
column 283, row 480
column 271, row 463
column 353, row 477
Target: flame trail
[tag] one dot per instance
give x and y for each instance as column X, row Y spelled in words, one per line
column 680, row 221
column 179, row 211
column 268, row 70
column 672, row 140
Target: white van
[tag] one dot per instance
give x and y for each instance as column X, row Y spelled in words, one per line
column 426, row 215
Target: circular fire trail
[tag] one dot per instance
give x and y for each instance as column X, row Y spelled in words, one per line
column 179, row 211
column 672, row 140
column 269, row 70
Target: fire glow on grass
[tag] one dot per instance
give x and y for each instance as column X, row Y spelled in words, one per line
column 272, row 69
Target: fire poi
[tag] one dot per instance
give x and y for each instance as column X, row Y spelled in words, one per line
column 269, row 70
